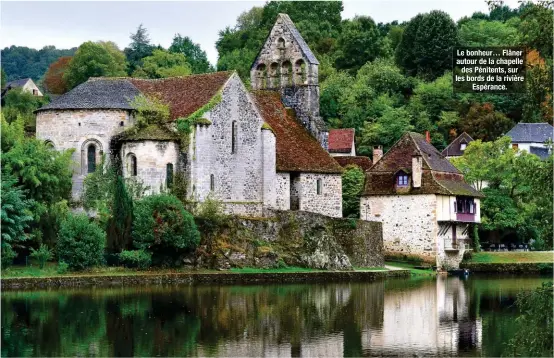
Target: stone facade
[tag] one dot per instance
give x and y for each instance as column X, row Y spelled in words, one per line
column 79, row 130
column 151, row 161
column 328, row 201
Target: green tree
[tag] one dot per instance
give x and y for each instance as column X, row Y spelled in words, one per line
column 332, row 89
column 193, row 53
column 162, row 64
column 16, row 216
column 358, row 43
column 238, row 60
column 80, row 242
column 120, row 223
column 535, row 19
column 353, row 180
column 95, row 59
column 433, row 98
column 3, row 78
column 138, row 49
column 489, row 33
column 483, row 122
column 384, row 77
column 386, row 130
column 18, row 103
column 426, row 46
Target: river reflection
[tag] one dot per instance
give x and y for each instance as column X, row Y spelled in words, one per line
column 443, row 316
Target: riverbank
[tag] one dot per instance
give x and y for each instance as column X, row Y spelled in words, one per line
column 148, row 278
column 510, row 262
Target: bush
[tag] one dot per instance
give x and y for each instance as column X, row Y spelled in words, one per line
column 62, row 267
column 135, row 258
column 162, row 226
column 80, row 242
column 43, row 254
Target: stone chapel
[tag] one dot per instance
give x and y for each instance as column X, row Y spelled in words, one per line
column 258, row 149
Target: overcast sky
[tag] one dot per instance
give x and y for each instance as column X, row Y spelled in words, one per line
column 68, row 24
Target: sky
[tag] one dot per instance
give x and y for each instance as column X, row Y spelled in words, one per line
column 66, row 24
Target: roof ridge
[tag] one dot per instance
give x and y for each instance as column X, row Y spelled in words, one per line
column 158, row 79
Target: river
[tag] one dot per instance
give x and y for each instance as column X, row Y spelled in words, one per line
column 401, row 317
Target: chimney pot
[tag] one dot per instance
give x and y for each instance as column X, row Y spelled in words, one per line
column 427, row 136
column 377, row 153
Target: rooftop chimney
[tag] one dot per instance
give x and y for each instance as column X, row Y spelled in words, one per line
column 377, row 153
column 417, row 169
column 427, row 136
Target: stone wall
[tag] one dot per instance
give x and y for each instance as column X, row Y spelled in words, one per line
column 409, row 223
column 77, row 129
column 292, row 238
column 282, row 191
column 152, row 158
column 238, row 177
column 329, row 201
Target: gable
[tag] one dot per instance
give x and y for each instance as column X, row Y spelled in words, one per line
column 454, row 148
column 296, row 149
column 341, row 140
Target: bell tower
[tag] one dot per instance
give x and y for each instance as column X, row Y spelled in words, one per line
column 286, row 64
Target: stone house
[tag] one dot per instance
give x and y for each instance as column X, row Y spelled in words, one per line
column 422, row 200
column 26, row 85
column 252, row 150
column 341, row 142
column 457, row 147
column 532, row 137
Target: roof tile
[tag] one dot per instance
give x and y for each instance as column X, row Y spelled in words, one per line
column 341, row 140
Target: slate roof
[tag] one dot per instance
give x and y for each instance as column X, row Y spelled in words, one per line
column 531, row 133
column 296, row 149
column 184, row 95
column 363, row 162
column 97, row 93
column 341, row 140
column 454, row 149
column 17, row 83
column 439, row 176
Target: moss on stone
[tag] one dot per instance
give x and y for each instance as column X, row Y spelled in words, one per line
column 267, row 127
column 151, row 132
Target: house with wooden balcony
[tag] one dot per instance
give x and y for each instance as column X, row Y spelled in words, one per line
column 426, row 207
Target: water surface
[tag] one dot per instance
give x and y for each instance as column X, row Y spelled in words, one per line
column 400, row 317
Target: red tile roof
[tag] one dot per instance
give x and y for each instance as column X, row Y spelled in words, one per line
column 297, row 150
column 439, row 176
column 362, row 162
column 183, row 94
column 341, row 140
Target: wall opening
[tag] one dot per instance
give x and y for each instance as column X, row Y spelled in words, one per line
column 274, row 75
column 300, row 72
column 212, row 182
column 132, row 165
column 286, row 73
column 49, row 144
column 234, row 137
column 261, row 76
column 319, row 186
column 294, row 191
column 91, row 158
column 169, row 175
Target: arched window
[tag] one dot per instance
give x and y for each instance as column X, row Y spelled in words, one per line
column 91, row 158
column 300, row 72
column 274, row 75
column 281, row 43
column 261, row 76
column 212, row 182
column 234, row 137
column 49, row 144
column 286, row 73
column 169, row 175
column 319, row 186
column 131, row 165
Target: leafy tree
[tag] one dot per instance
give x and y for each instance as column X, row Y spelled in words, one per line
column 384, row 77
column 18, row 103
column 43, row 254
column 80, row 242
column 94, row 59
column 120, row 223
column 163, row 227
column 358, row 43
column 537, row 106
column 533, row 337
column 535, row 18
column 54, row 81
column 238, row 60
column 138, row 49
column 352, row 186
column 332, row 89
column 3, row 79
column 16, row 216
column 433, row 97
column 23, row 62
column 426, row 46
column 194, row 54
column 489, row 33
column 386, row 130
column 483, row 122
column 12, row 133
column 162, row 64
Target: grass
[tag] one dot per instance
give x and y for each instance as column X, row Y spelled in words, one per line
column 512, row 257
column 410, row 266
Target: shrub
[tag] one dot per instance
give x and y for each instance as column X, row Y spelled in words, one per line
column 62, row 267
column 163, row 226
column 80, row 242
column 135, row 258
column 43, row 254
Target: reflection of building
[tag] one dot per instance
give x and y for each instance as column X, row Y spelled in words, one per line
column 433, row 319
column 422, row 200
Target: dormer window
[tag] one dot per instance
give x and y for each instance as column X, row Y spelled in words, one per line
column 402, row 179
column 463, row 146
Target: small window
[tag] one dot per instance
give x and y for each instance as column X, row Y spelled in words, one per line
column 463, row 146
column 35, row 92
column 402, row 180
column 91, row 158
column 169, row 175
column 281, row 43
column 212, row 182
column 49, row 144
column 464, row 206
column 319, row 186
column 121, row 124
column 515, row 145
column 132, row 165
column 234, row 137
